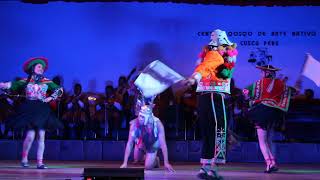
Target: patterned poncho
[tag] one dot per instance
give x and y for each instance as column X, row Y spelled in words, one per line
column 278, row 97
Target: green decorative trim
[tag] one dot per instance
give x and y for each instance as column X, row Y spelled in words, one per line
column 37, row 61
column 17, row 85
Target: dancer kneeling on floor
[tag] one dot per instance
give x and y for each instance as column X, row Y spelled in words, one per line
column 147, row 130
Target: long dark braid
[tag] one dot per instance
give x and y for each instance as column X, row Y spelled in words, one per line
column 31, row 73
column 22, row 91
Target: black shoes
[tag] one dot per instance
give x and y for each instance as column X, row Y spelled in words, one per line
column 24, row 164
column 213, row 175
column 42, row 166
column 202, row 174
column 271, row 169
column 208, row 175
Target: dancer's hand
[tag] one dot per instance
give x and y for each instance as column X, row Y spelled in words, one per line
column 169, row 167
column 245, row 92
column 48, row 99
column 3, row 85
column 189, row 82
column 124, row 165
column 298, row 85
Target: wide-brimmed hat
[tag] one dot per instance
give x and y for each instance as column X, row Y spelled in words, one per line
column 35, row 60
column 268, row 68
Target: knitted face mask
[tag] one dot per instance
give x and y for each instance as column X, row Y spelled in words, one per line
column 145, row 114
column 222, row 38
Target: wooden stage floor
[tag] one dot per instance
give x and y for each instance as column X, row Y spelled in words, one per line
column 236, row 171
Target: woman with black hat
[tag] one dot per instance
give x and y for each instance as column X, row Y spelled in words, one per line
column 34, row 114
column 269, row 99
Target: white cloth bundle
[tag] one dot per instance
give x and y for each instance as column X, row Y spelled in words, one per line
column 156, row 78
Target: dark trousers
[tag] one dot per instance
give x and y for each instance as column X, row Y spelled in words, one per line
column 212, row 126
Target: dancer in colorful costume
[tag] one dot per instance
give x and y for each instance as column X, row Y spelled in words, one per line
column 34, row 114
column 269, row 99
column 147, row 130
column 147, row 133
column 213, row 75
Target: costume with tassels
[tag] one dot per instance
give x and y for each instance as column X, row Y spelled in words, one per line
column 34, row 114
column 269, row 98
column 146, row 134
column 213, row 75
column 147, row 131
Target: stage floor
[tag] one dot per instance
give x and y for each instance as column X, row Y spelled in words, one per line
column 235, row 171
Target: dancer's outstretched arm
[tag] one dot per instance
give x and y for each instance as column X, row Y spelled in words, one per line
column 128, row 148
column 163, row 146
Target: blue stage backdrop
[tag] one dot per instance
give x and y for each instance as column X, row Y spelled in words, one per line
column 93, row 43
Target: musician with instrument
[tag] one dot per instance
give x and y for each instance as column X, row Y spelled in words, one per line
column 109, row 111
column 76, row 106
column 124, row 95
column 7, row 105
